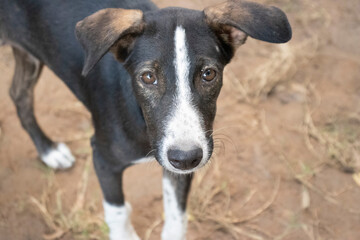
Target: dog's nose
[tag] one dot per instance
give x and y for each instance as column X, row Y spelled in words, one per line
column 185, row 160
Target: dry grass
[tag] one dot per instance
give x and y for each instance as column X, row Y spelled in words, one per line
column 339, row 137
column 82, row 220
column 339, row 140
column 304, row 177
column 210, row 203
column 285, row 60
column 282, row 66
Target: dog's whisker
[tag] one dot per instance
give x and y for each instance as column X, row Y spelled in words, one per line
column 222, row 129
column 151, row 151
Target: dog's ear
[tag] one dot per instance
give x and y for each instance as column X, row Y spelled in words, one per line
column 234, row 20
column 100, row 31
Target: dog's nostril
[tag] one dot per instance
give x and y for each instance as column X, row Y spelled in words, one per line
column 185, row 160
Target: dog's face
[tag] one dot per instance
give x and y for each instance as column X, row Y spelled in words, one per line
column 176, row 67
column 176, row 59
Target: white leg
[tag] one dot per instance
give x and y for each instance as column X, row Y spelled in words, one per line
column 118, row 220
column 59, row 157
column 175, row 219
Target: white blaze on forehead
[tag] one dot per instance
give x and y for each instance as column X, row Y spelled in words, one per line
column 184, row 130
column 182, row 64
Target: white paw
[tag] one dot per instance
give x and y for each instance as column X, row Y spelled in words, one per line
column 117, row 235
column 173, row 232
column 175, row 226
column 59, row 157
column 118, row 220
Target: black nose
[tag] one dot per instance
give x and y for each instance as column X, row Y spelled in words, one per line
column 185, row 160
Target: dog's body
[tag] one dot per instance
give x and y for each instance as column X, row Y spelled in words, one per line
column 160, row 102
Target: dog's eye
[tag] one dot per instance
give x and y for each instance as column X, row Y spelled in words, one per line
column 208, row 74
column 149, row 78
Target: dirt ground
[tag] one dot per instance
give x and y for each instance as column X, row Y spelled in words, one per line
column 287, row 157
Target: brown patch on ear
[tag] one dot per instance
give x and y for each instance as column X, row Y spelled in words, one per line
column 217, row 14
column 101, row 30
column 232, row 36
column 217, row 17
column 258, row 21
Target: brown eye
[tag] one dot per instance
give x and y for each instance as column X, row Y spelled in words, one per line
column 208, row 74
column 149, row 78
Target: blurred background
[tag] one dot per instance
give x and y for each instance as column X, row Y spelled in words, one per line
column 286, row 162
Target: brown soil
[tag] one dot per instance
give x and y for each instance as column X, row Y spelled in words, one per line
column 287, row 136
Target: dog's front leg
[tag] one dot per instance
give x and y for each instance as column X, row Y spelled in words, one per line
column 117, row 212
column 175, row 190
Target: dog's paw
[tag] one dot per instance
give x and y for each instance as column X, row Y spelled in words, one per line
column 175, row 228
column 119, row 223
column 172, row 235
column 58, row 157
column 123, row 236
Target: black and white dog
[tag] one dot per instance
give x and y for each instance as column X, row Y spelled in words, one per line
column 156, row 99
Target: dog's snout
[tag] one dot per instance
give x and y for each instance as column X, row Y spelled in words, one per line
column 185, row 160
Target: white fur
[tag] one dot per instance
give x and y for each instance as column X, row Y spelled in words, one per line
column 184, row 129
column 118, row 220
column 175, row 219
column 59, row 157
column 143, row 160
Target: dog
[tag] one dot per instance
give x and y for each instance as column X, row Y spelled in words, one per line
column 149, row 77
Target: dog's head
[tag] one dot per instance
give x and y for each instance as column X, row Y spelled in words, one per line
column 176, row 59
